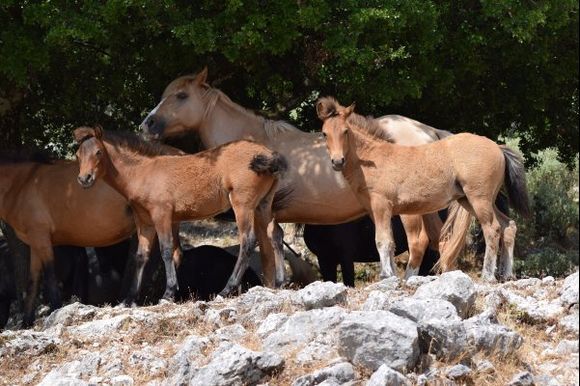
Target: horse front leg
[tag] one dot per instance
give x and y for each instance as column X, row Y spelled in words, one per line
column 167, row 244
column 41, row 258
column 145, row 239
column 382, row 214
column 417, row 240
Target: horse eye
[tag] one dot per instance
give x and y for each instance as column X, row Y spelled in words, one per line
column 181, row 95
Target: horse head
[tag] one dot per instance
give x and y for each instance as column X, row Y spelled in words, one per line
column 182, row 107
column 90, row 154
column 335, row 129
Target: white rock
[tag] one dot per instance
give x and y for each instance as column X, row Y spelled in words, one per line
column 321, row 294
column 569, row 292
column 455, row 287
column 340, row 373
column 385, row 376
column 122, row 380
column 424, row 309
column 373, row 338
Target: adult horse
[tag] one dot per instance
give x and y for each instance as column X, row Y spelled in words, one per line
column 318, row 196
column 391, row 179
column 44, row 204
column 165, row 190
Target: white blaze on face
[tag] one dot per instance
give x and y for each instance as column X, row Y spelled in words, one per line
column 151, row 113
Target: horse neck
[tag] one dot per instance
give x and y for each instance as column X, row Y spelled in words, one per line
column 360, row 147
column 120, row 165
column 227, row 123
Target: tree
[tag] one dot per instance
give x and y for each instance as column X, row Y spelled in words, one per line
column 494, row 68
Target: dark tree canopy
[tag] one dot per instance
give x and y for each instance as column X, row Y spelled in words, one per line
column 495, row 68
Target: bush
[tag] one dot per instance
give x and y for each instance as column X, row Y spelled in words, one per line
column 547, row 244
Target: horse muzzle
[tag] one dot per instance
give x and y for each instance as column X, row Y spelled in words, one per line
column 86, row 181
column 338, row 164
column 152, row 127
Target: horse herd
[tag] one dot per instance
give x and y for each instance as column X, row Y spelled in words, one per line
column 268, row 172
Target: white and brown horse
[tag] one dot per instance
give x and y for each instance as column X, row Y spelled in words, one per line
column 319, row 195
column 390, row 179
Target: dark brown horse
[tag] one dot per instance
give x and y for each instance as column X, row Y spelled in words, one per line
column 164, row 190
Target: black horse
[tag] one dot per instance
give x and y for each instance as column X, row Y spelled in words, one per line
column 98, row 278
column 354, row 241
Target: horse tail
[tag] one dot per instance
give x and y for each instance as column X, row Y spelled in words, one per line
column 275, row 164
column 453, row 235
column 515, row 181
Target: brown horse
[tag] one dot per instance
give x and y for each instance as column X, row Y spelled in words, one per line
column 44, row 204
column 164, row 190
column 390, row 179
column 319, row 196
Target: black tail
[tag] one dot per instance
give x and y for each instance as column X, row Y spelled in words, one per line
column 274, row 164
column 515, row 182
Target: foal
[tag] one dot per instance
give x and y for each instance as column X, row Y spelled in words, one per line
column 389, row 179
column 163, row 190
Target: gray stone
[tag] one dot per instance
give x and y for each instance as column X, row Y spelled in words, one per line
column 321, row 294
column 340, row 373
column 385, row 376
column 231, row 332
column 122, row 380
column 99, row 328
column 187, row 359
column 386, row 285
column 28, row 342
column 538, row 311
column 570, row 323
column 490, row 337
column 54, row 378
column 524, row 283
column 424, row 309
column 569, row 292
column 373, row 338
column 302, row 327
column 548, row 280
column 418, row 281
column 232, row 364
column 546, row 380
column 271, row 324
column 484, row 367
column 455, row 287
column 259, row 302
column 567, row 347
column 522, row 379
column 447, row 339
column 75, row 312
column 322, row 348
column 377, row 301
column 458, row 372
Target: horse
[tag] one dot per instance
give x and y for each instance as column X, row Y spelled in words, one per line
column 164, row 190
column 319, row 196
column 352, row 242
column 42, row 201
column 391, row 179
column 204, row 272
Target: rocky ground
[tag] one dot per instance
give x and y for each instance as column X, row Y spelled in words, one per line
column 443, row 330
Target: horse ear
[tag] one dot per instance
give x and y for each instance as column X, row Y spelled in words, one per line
column 98, row 130
column 348, row 110
column 82, row 133
column 201, row 78
column 325, row 110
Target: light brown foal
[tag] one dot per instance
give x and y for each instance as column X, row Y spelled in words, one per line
column 163, row 190
column 389, row 179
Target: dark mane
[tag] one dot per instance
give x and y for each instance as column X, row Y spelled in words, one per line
column 140, row 146
column 25, row 155
column 371, row 126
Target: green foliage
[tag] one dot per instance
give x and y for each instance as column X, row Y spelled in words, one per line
column 548, row 244
column 489, row 67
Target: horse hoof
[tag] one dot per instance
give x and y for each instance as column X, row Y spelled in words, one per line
column 489, row 279
column 126, row 304
column 166, row 301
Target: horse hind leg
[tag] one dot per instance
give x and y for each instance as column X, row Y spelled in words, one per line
column 247, row 237
column 508, row 236
column 485, row 213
